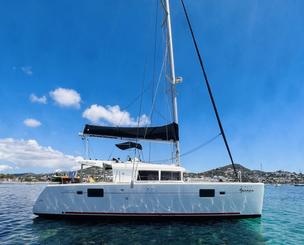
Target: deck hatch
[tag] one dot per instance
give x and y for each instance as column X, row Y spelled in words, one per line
column 95, row 192
column 206, row 192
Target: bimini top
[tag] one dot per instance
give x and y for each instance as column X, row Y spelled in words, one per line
column 129, row 145
column 163, row 133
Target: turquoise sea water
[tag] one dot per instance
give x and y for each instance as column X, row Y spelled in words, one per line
column 282, row 223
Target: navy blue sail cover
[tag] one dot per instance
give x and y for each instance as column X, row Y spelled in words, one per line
column 165, row 133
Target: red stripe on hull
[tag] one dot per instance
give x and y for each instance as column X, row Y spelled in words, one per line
column 151, row 214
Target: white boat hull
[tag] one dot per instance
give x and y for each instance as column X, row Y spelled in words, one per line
column 180, row 199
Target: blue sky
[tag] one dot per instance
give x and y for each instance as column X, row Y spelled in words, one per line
column 72, row 55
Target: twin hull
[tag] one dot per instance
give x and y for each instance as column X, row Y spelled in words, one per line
column 183, row 199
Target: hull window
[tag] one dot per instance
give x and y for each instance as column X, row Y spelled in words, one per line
column 95, row 192
column 147, row 175
column 222, row 192
column 79, row 192
column 170, row 175
column 206, row 192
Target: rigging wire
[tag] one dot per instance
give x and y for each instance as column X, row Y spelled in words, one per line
column 154, row 51
column 138, row 120
column 145, row 89
column 209, row 90
column 109, row 158
column 133, row 102
column 191, row 150
column 154, row 62
column 88, row 152
column 141, row 99
column 156, row 89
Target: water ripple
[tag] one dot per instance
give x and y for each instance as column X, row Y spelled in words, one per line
column 282, row 223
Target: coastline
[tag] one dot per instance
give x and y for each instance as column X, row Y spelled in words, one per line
column 27, row 182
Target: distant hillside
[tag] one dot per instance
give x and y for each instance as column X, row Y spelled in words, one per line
column 224, row 173
column 227, row 169
column 228, row 172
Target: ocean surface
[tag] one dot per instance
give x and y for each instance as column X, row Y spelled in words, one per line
column 282, row 223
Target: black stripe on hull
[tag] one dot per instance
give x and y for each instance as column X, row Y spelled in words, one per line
column 166, row 218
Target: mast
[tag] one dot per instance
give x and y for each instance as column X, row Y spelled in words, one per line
column 172, row 76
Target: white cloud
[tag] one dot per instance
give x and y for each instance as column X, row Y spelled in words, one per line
column 31, row 122
column 113, row 115
column 28, row 153
column 36, row 99
column 27, row 70
column 4, row 167
column 66, row 97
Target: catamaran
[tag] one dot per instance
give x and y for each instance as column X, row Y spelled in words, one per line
column 139, row 189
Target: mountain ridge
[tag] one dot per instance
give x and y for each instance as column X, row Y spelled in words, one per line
column 224, row 173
